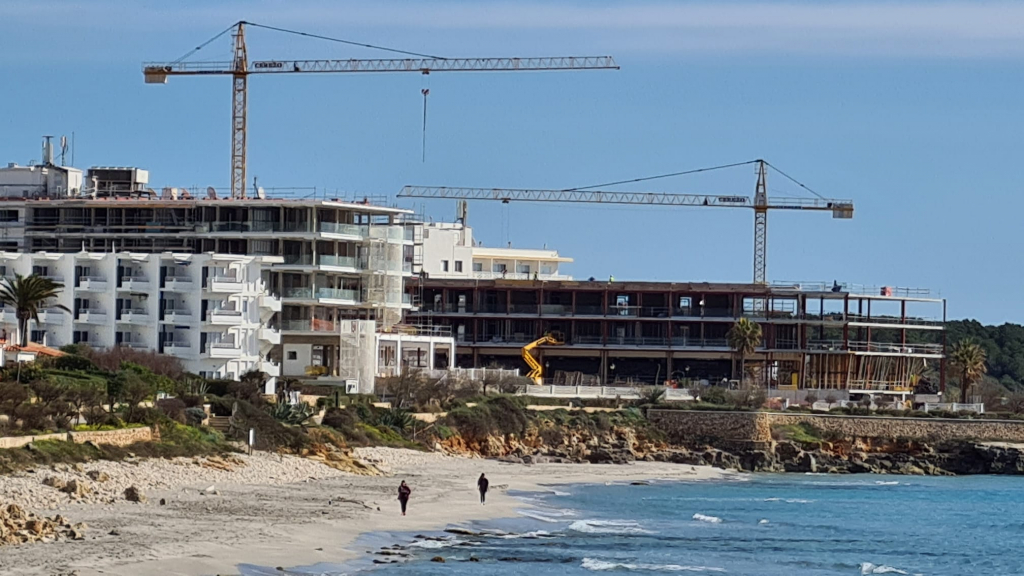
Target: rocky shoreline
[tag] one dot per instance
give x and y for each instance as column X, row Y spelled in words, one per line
column 623, row 445
column 951, row 458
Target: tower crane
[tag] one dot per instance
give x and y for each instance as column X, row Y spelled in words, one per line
column 761, row 204
column 239, row 68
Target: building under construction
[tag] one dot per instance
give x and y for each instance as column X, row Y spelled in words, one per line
column 815, row 335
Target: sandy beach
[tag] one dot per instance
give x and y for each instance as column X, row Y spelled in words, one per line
column 272, row 510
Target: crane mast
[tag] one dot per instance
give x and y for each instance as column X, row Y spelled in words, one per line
column 240, row 70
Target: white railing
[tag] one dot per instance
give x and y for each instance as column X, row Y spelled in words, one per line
column 955, row 407
column 852, row 288
column 519, row 276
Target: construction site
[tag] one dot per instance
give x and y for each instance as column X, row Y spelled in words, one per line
column 352, row 289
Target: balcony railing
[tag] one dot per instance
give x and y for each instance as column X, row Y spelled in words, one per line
column 314, row 325
column 339, row 261
column 337, row 294
column 178, row 315
column 301, row 292
column 342, row 229
column 92, row 283
column 140, row 283
column 524, row 308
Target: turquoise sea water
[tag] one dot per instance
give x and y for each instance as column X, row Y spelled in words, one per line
column 764, row 525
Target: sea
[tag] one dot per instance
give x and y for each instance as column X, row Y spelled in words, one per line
column 759, row 525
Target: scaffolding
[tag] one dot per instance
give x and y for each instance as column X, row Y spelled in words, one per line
column 357, row 348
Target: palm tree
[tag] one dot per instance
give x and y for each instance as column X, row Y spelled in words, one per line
column 968, row 358
column 744, row 337
column 27, row 294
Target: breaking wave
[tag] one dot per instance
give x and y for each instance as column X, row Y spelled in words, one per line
column 607, row 527
column 599, row 565
column 708, row 519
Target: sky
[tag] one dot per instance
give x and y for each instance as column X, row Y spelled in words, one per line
column 911, row 109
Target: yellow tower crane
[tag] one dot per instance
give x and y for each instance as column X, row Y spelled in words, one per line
column 760, row 203
column 239, row 68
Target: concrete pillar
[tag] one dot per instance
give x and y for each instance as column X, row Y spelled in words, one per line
column 398, row 356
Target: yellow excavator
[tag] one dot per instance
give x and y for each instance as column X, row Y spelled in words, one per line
column 536, row 370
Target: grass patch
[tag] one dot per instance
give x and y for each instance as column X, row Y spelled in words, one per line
column 176, row 440
column 802, row 432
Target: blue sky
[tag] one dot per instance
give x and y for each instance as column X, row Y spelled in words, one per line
column 911, row 109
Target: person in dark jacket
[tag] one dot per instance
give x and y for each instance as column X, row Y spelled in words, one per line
column 403, row 495
column 482, row 484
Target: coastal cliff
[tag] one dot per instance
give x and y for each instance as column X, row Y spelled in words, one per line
column 747, row 441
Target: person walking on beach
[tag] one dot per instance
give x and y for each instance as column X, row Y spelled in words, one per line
column 482, row 484
column 403, row 495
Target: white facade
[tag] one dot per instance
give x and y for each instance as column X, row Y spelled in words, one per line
column 208, row 310
column 449, row 251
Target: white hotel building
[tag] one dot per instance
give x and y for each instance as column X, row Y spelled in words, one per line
column 309, row 288
column 450, row 252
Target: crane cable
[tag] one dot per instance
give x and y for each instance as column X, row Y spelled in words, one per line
column 646, row 178
column 794, row 180
column 205, row 44
column 343, row 41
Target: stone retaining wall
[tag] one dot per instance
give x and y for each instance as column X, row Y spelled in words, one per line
column 697, row 426
column 19, row 441
column 123, row 437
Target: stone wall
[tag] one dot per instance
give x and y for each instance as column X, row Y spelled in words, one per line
column 123, row 437
column 19, row 441
column 682, row 426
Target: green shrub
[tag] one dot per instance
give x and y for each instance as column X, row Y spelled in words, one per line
column 73, row 363
column 173, row 408
column 715, row 395
column 194, row 415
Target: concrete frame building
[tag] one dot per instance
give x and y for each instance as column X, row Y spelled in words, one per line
column 843, row 337
column 300, row 286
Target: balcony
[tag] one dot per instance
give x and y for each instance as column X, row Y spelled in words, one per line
column 270, row 302
column 271, row 369
column 350, row 262
column 224, row 317
column 53, row 316
column 134, row 345
column 223, row 350
column 315, row 325
column 226, row 284
column 178, row 316
column 92, row 284
column 270, row 335
column 337, row 229
column 178, row 284
column 134, row 316
column 178, row 349
column 91, row 316
column 299, row 293
column 388, row 233
column 340, row 294
column 135, row 284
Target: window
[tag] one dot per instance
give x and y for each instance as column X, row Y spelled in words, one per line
column 444, row 265
column 79, row 336
column 293, row 355
column 478, row 266
column 458, row 265
column 523, row 269
column 38, row 336
column 498, row 268
column 547, row 269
